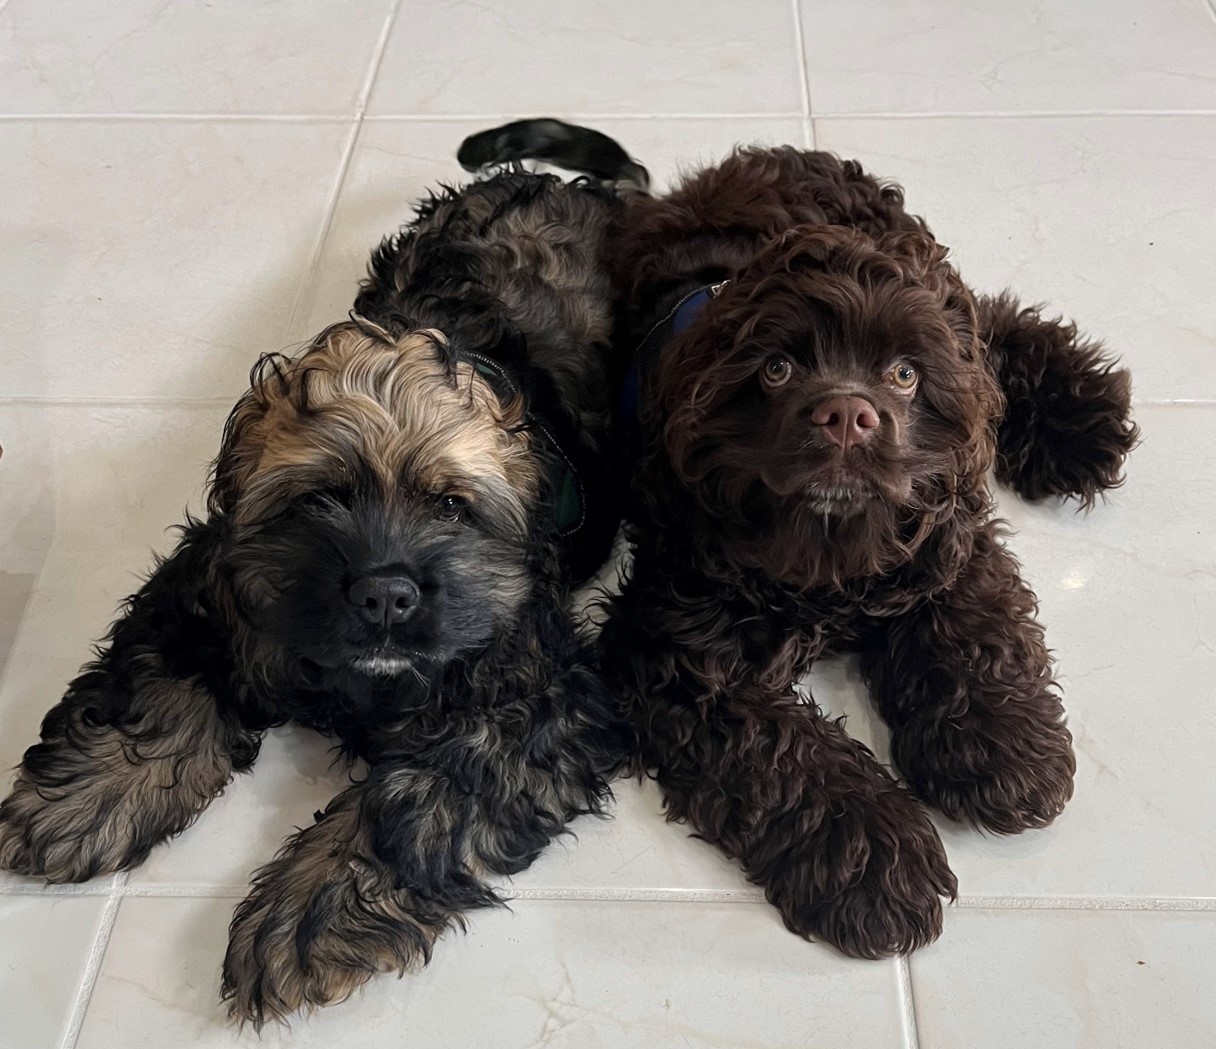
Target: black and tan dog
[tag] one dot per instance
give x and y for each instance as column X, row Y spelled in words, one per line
column 395, row 518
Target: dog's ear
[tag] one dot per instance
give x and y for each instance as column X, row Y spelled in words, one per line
column 272, row 378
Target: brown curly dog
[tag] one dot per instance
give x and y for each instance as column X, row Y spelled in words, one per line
column 813, row 452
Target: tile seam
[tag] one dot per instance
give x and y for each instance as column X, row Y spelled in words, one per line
column 441, row 118
column 88, row 981
column 907, row 1002
column 294, row 315
column 1193, row 904
column 808, row 133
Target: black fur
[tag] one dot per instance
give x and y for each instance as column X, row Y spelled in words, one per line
column 484, row 725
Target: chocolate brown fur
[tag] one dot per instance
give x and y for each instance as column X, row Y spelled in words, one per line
column 761, row 542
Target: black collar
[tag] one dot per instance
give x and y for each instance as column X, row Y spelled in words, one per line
column 569, row 501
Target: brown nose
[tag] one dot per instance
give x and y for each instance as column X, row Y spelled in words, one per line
column 846, row 421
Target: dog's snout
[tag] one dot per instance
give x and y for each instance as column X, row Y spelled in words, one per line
column 384, row 599
column 846, row 421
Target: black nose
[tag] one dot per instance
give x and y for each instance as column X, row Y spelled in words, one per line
column 384, row 599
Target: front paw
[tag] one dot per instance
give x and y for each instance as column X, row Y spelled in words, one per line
column 1006, row 773
column 869, row 879
column 63, row 839
column 320, row 920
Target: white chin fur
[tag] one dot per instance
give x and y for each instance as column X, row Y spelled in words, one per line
column 382, row 666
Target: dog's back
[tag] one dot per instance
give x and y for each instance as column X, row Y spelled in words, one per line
column 514, row 269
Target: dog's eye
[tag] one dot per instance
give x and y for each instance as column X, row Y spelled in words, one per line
column 450, row 507
column 776, row 370
column 903, row 376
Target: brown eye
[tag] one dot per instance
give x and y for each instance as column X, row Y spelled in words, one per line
column 903, row 377
column 450, row 507
column 776, row 371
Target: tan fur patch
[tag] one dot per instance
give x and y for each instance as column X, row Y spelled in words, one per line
column 359, row 399
column 322, row 918
column 112, row 793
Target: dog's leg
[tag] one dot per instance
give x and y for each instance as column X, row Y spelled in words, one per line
column 1067, row 426
column 842, row 850
column 398, row 858
column 138, row 746
column 965, row 682
column 328, row 912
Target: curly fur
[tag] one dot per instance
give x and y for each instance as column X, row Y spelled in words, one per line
column 760, row 545
column 485, row 727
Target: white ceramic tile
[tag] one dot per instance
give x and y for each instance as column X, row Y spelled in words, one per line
column 397, row 162
column 224, row 56
column 523, row 56
column 956, row 56
column 585, row 975
column 1105, row 219
column 1068, row 980
column 44, row 947
column 150, row 259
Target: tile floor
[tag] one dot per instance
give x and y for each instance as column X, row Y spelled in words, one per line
column 186, row 184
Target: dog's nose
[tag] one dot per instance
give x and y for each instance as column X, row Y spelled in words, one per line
column 846, row 421
column 384, row 599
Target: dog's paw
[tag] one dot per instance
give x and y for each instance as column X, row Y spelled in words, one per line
column 1005, row 770
column 870, row 880
column 321, row 919
column 59, row 839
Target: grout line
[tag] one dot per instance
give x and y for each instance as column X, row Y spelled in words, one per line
column 808, row 133
column 365, row 92
column 610, row 895
column 1088, row 903
column 907, row 1003
column 1013, row 114
column 307, row 281
column 92, row 968
column 54, row 891
column 183, row 118
column 1172, row 402
column 1195, row 904
column 442, row 118
column 119, row 402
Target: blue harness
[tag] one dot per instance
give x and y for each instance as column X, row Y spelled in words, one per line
column 681, row 317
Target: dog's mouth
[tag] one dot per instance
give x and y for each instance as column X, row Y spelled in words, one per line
column 384, row 660
column 838, row 499
column 384, row 664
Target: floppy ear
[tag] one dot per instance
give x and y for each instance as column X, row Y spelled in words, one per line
column 241, row 445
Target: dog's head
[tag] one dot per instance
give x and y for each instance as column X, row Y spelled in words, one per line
column 378, row 496
column 832, row 404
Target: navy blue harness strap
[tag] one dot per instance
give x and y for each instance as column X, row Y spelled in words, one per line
column 681, row 316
